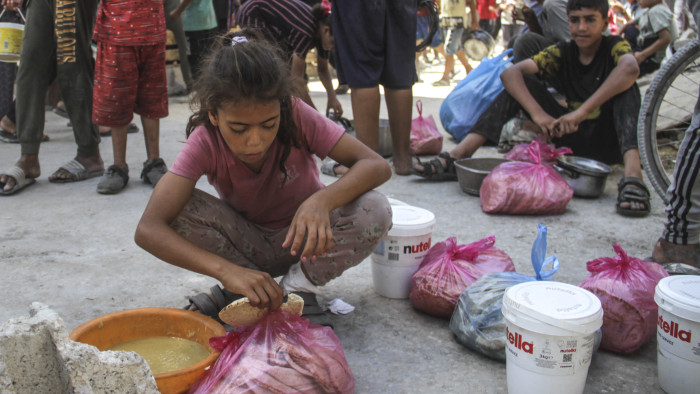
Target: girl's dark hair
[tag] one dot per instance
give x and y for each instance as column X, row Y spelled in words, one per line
column 248, row 71
column 601, row 6
column 322, row 15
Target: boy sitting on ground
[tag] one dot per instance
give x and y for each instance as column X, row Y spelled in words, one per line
column 656, row 31
column 597, row 75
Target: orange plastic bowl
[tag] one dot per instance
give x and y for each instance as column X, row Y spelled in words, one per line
column 114, row 328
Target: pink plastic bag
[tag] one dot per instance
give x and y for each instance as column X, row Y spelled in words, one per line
column 281, row 353
column 625, row 286
column 447, row 269
column 520, row 187
column 425, row 137
column 548, row 152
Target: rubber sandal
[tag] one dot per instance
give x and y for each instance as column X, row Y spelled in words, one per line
column 210, row 304
column 632, row 189
column 77, row 171
column 435, row 171
column 313, row 310
column 21, row 181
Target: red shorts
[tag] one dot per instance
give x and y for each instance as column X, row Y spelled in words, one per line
column 128, row 80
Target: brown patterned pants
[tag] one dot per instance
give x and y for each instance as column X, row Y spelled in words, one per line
column 357, row 227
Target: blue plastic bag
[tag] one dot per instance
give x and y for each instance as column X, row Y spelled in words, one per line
column 477, row 321
column 470, row 98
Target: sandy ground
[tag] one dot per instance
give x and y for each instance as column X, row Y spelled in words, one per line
column 71, row 248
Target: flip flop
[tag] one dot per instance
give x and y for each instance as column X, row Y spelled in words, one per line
column 313, row 310
column 21, row 180
column 78, row 172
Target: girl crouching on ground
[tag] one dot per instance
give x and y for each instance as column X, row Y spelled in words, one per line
column 256, row 145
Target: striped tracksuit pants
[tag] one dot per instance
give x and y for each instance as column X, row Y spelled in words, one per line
column 683, row 210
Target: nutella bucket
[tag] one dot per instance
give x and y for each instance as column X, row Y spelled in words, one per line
column 678, row 333
column 550, row 336
column 399, row 255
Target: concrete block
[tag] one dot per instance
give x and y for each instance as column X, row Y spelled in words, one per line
column 37, row 356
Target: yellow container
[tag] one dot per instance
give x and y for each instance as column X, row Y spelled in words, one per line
column 11, row 35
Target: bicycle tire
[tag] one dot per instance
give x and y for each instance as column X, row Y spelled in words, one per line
column 682, row 61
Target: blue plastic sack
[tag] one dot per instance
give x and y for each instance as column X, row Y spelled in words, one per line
column 470, row 98
column 477, row 321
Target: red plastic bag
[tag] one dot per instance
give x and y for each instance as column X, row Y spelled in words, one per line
column 447, row 269
column 425, row 137
column 625, row 286
column 520, row 187
column 281, row 353
column 548, row 152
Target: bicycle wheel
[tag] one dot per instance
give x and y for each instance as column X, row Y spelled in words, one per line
column 666, row 113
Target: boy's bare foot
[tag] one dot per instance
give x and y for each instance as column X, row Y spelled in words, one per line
column 94, row 166
column 29, row 164
column 668, row 252
column 8, row 125
column 402, row 166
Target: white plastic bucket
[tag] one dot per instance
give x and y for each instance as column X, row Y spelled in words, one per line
column 678, row 333
column 398, row 256
column 550, row 336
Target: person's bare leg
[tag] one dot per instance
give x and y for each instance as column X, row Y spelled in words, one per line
column 465, row 62
column 466, row 148
column 365, row 108
column 151, row 134
column 399, row 103
column 633, row 168
column 449, row 66
column 119, row 145
column 8, row 125
column 29, row 164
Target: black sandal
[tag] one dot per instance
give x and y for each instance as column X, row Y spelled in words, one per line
column 211, row 304
column 313, row 311
column 435, row 171
column 630, row 190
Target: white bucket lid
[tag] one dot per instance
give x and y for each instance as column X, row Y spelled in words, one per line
column 680, row 295
column 558, row 304
column 411, row 221
column 394, row 202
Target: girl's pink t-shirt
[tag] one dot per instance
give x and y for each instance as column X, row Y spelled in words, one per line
column 262, row 198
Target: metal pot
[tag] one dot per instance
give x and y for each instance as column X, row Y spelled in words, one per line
column 586, row 176
column 385, row 148
column 472, row 171
column 477, row 44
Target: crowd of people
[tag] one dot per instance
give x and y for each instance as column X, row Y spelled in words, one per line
column 255, row 130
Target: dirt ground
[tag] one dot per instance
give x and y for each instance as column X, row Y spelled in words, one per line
column 71, row 248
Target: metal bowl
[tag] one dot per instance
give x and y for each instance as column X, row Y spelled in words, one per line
column 472, row 171
column 586, row 176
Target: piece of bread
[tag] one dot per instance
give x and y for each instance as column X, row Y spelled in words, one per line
column 241, row 313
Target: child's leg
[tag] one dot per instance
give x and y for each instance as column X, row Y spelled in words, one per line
column 151, row 135
column 357, row 227
column 212, row 225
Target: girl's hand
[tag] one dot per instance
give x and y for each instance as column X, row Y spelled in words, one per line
column 260, row 288
column 311, row 228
